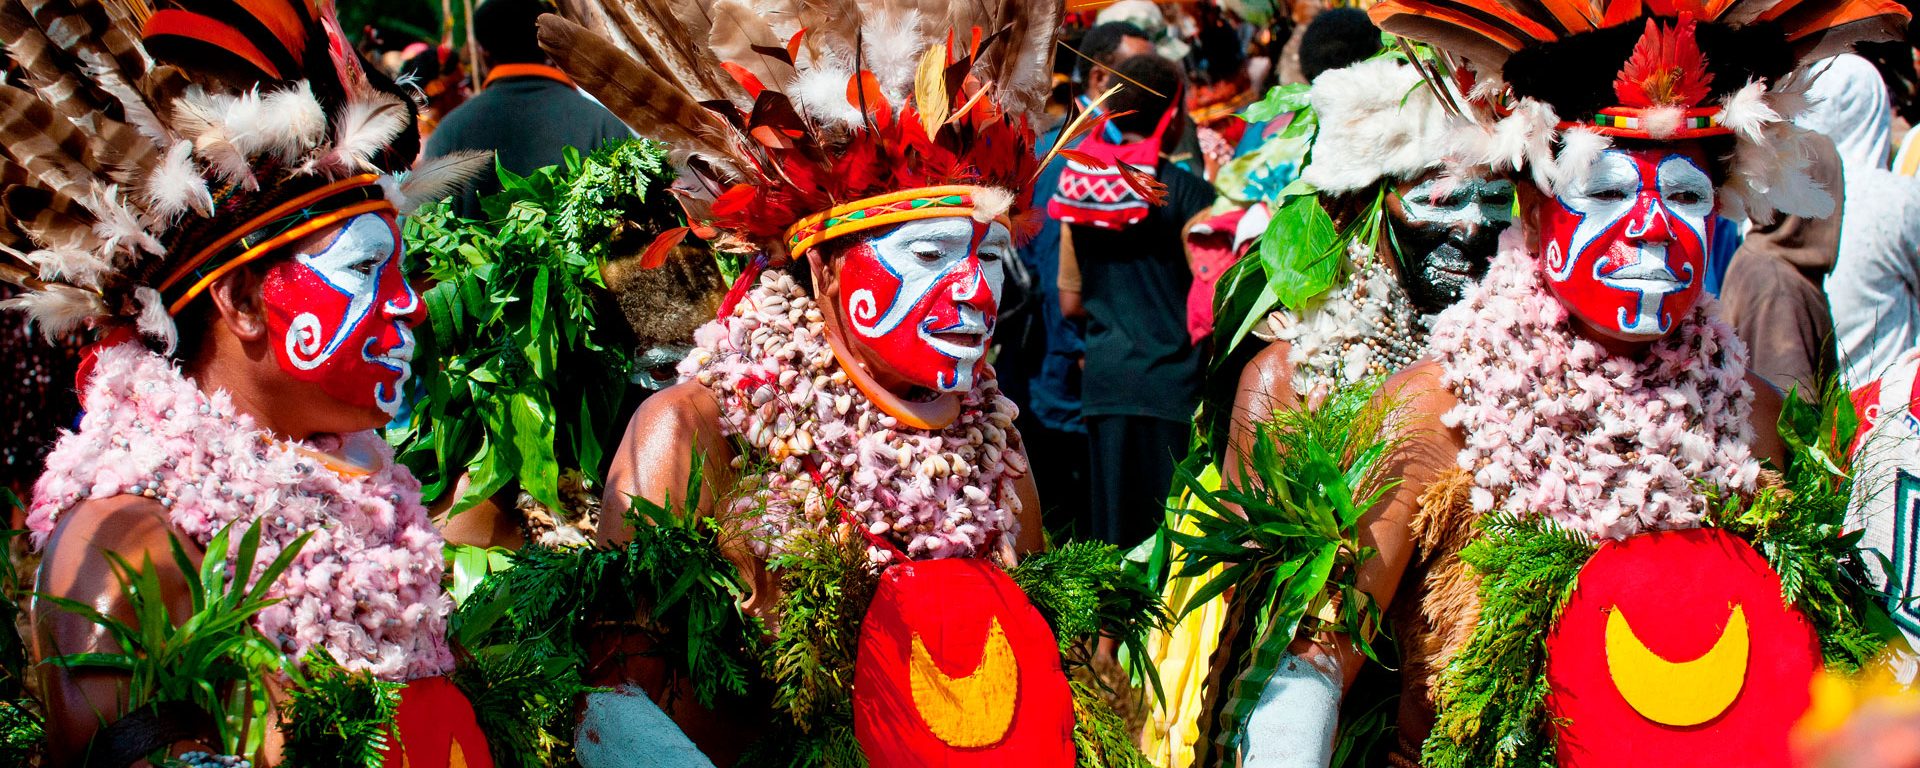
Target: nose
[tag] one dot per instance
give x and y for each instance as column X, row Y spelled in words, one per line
column 1650, row 222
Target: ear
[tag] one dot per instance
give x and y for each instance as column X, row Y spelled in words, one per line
column 236, row 302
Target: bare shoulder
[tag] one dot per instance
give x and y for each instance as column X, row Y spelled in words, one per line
column 75, row 565
column 1266, row 384
column 1767, row 403
column 1421, row 391
column 655, row 457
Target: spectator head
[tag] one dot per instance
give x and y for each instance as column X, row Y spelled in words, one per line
column 1339, row 37
column 1151, row 86
column 1105, row 46
column 508, row 31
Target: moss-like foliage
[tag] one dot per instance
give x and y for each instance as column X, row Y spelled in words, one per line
column 1085, row 588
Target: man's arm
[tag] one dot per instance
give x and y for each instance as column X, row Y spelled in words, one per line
column 1069, row 280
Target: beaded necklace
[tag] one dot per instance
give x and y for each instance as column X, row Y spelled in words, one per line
column 939, row 493
column 367, row 585
column 1605, row 445
column 1363, row 328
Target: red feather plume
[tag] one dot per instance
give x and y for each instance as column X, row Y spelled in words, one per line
column 1666, row 68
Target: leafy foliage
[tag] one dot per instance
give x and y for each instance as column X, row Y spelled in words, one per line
column 1087, row 588
column 21, row 729
column 533, row 371
column 213, row 659
column 826, row 587
column 1800, row 529
column 1101, row 739
column 523, row 626
column 337, row 717
column 1492, row 696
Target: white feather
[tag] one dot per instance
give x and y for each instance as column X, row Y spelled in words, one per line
column 154, row 320
column 1747, row 113
column 120, row 227
column 1579, row 148
column 893, row 47
column 366, row 125
column 435, row 179
column 58, row 309
column 203, row 118
column 292, row 122
column 175, row 186
column 820, row 92
column 70, row 265
column 990, row 202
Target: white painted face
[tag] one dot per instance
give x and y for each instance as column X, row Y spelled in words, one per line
column 923, row 296
column 344, row 314
column 1625, row 250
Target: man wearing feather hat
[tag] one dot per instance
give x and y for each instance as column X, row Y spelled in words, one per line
column 1581, row 555
column 870, row 164
column 210, row 191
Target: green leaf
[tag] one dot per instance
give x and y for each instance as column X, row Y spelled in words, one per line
column 1280, row 100
column 533, row 438
column 1300, row 251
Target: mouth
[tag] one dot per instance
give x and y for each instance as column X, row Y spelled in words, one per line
column 961, row 338
column 1648, row 273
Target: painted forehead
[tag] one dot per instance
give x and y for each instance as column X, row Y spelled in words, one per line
column 948, row 231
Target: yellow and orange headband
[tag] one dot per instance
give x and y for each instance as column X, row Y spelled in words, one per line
column 203, row 268
column 890, row 208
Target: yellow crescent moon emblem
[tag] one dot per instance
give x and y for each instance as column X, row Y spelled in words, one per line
column 971, row 711
column 1678, row 693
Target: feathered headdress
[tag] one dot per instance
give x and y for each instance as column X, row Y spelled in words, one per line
column 798, row 121
column 148, row 149
column 1560, row 79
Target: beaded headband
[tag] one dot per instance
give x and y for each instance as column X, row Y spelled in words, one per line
column 884, row 210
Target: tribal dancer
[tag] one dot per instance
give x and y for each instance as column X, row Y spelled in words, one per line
column 869, row 162
column 1584, row 413
column 210, row 190
column 1437, row 225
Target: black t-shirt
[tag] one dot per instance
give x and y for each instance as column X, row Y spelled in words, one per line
column 1134, row 282
column 528, row 121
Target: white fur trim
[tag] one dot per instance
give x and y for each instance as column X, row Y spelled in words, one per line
column 1377, row 120
column 990, row 202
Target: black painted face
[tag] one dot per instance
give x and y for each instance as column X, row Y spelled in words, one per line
column 1444, row 233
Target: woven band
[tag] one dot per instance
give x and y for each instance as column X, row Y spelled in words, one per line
column 1631, row 123
column 880, row 211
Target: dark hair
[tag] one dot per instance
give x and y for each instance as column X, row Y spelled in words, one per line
column 1339, row 37
column 509, row 30
column 1102, row 42
column 1576, row 75
column 1162, row 79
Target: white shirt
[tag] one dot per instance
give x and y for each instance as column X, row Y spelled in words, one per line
column 1874, row 290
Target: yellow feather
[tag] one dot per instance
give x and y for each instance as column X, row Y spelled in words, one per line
column 930, row 88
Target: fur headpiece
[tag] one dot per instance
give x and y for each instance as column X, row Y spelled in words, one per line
column 795, row 121
column 148, row 148
column 1557, row 80
column 1376, row 122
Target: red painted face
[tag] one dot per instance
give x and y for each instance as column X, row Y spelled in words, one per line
column 1626, row 250
column 921, row 298
column 339, row 313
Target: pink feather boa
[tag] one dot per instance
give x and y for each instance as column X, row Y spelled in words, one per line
column 934, row 494
column 1607, row 446
column 367, row 585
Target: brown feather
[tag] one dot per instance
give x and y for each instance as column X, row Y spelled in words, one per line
column 52, row 220
column 644, row 100
column 44, row 71
column 832, row 26
column 48, row 146
column 737, row 30
column 1025, row 76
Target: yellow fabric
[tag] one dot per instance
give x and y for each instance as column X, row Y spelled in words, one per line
column 1181, row 656
column 1906, row 161
column 1678, row 693
column 971, row 711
